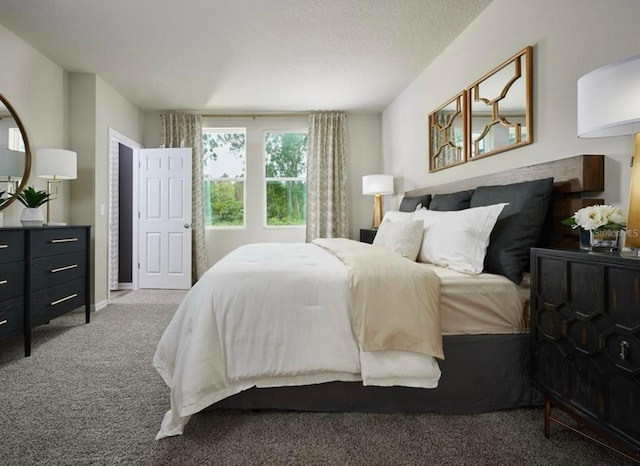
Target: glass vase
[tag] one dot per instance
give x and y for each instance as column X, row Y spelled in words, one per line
column 605, row 240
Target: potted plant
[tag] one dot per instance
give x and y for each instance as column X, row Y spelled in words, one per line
column 31, row 200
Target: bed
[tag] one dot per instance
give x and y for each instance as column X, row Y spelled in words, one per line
column 478, row 361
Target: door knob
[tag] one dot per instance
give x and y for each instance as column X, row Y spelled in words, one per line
column 186, row 225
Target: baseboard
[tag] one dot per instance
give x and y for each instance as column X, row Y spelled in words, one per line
column 99, row 306
column 125, row 286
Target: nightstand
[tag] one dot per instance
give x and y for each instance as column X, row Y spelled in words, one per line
column 367, row 235
column 585, row 329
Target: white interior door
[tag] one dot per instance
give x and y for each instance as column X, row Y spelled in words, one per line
column 165, row 218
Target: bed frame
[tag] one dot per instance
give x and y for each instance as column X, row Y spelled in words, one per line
column 480, row 373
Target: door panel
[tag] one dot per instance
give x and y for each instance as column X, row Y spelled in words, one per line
column 165, row 218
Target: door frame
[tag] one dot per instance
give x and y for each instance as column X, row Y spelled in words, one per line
column 116, row 138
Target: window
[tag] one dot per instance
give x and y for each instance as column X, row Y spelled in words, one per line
column 286, row 178
column 224, row 167
column 15, row 140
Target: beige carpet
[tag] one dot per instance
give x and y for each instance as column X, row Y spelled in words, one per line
column 89, row 395
column 147, row 296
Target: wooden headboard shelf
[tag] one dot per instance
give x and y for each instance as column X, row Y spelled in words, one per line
column 576, row 179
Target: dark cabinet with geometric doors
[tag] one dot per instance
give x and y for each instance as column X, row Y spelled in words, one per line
column 585, row 328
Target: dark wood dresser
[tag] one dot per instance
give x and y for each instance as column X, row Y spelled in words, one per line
column 44, row 273
column 586, row 342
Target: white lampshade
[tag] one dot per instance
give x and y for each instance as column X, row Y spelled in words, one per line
column 377, row 184
column 609, row 100
column 12, row 163
column 609, row 105
column 56, row 164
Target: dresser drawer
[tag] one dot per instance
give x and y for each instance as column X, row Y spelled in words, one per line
column 52, row 302
column 11, row 245
column 53, row 270
column 11, row 280
column 11, row 317
column 48, row 242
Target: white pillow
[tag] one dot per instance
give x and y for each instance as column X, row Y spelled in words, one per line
column 398, row 216
column 457, row 239
column 401, row 237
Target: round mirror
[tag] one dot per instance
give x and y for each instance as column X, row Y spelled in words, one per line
column 15, row 155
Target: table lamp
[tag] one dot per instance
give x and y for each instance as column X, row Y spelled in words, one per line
column 55, row 165
column 609, row 105
column 377, row 185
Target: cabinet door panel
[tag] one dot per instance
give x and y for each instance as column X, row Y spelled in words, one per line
column 553, row 288
column 585, row 386
column 586, row 288
column 623, row 297
column 624, row 405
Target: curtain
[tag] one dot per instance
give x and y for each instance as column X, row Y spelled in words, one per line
column 327, row 188
column 185, row 130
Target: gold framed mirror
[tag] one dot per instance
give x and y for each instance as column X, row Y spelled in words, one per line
column 500, row 108
column 15, row 154
column 448, row 134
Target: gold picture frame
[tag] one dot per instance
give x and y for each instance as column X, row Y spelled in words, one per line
column 493, row 115
column 448, row 134
column 500, row 106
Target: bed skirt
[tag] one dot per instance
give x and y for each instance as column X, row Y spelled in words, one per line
column 480, row 373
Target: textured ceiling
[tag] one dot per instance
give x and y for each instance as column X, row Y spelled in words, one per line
column 245, row 55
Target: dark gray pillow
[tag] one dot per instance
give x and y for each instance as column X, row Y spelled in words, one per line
column 453, row 201
column 410, row 204
column 519, row 224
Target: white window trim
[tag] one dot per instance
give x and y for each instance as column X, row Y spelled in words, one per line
column 265, row 179
column 224, row 129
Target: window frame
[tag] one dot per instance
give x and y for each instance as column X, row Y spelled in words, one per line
column 266, row 179
column 230, row 129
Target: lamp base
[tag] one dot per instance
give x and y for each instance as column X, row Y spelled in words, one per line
column 377, row 210
column 632, row 239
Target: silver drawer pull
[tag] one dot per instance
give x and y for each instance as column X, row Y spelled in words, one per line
column 624, row 350
column 3, row 322
column 60, row 269
column 3, row 282
column 4, row 246
column 64, row 240
column 62, row 300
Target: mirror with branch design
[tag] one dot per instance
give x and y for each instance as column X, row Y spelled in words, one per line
column 15, row 154
column 447, row 134
column 500, row 108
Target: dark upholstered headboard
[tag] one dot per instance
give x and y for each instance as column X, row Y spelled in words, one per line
column 576, row 179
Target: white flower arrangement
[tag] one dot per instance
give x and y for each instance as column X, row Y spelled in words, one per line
column 597, row 217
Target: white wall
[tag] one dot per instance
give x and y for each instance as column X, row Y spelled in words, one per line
column 113, row 111
column 569, row 39
column 95, row 107
column 365, row 151
column 35, row 86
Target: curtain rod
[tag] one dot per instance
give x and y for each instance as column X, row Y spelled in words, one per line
column 255, row 115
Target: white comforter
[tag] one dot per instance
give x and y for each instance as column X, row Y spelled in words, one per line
column 271, row 315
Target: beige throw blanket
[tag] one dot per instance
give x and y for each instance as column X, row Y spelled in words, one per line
column 395, row 302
